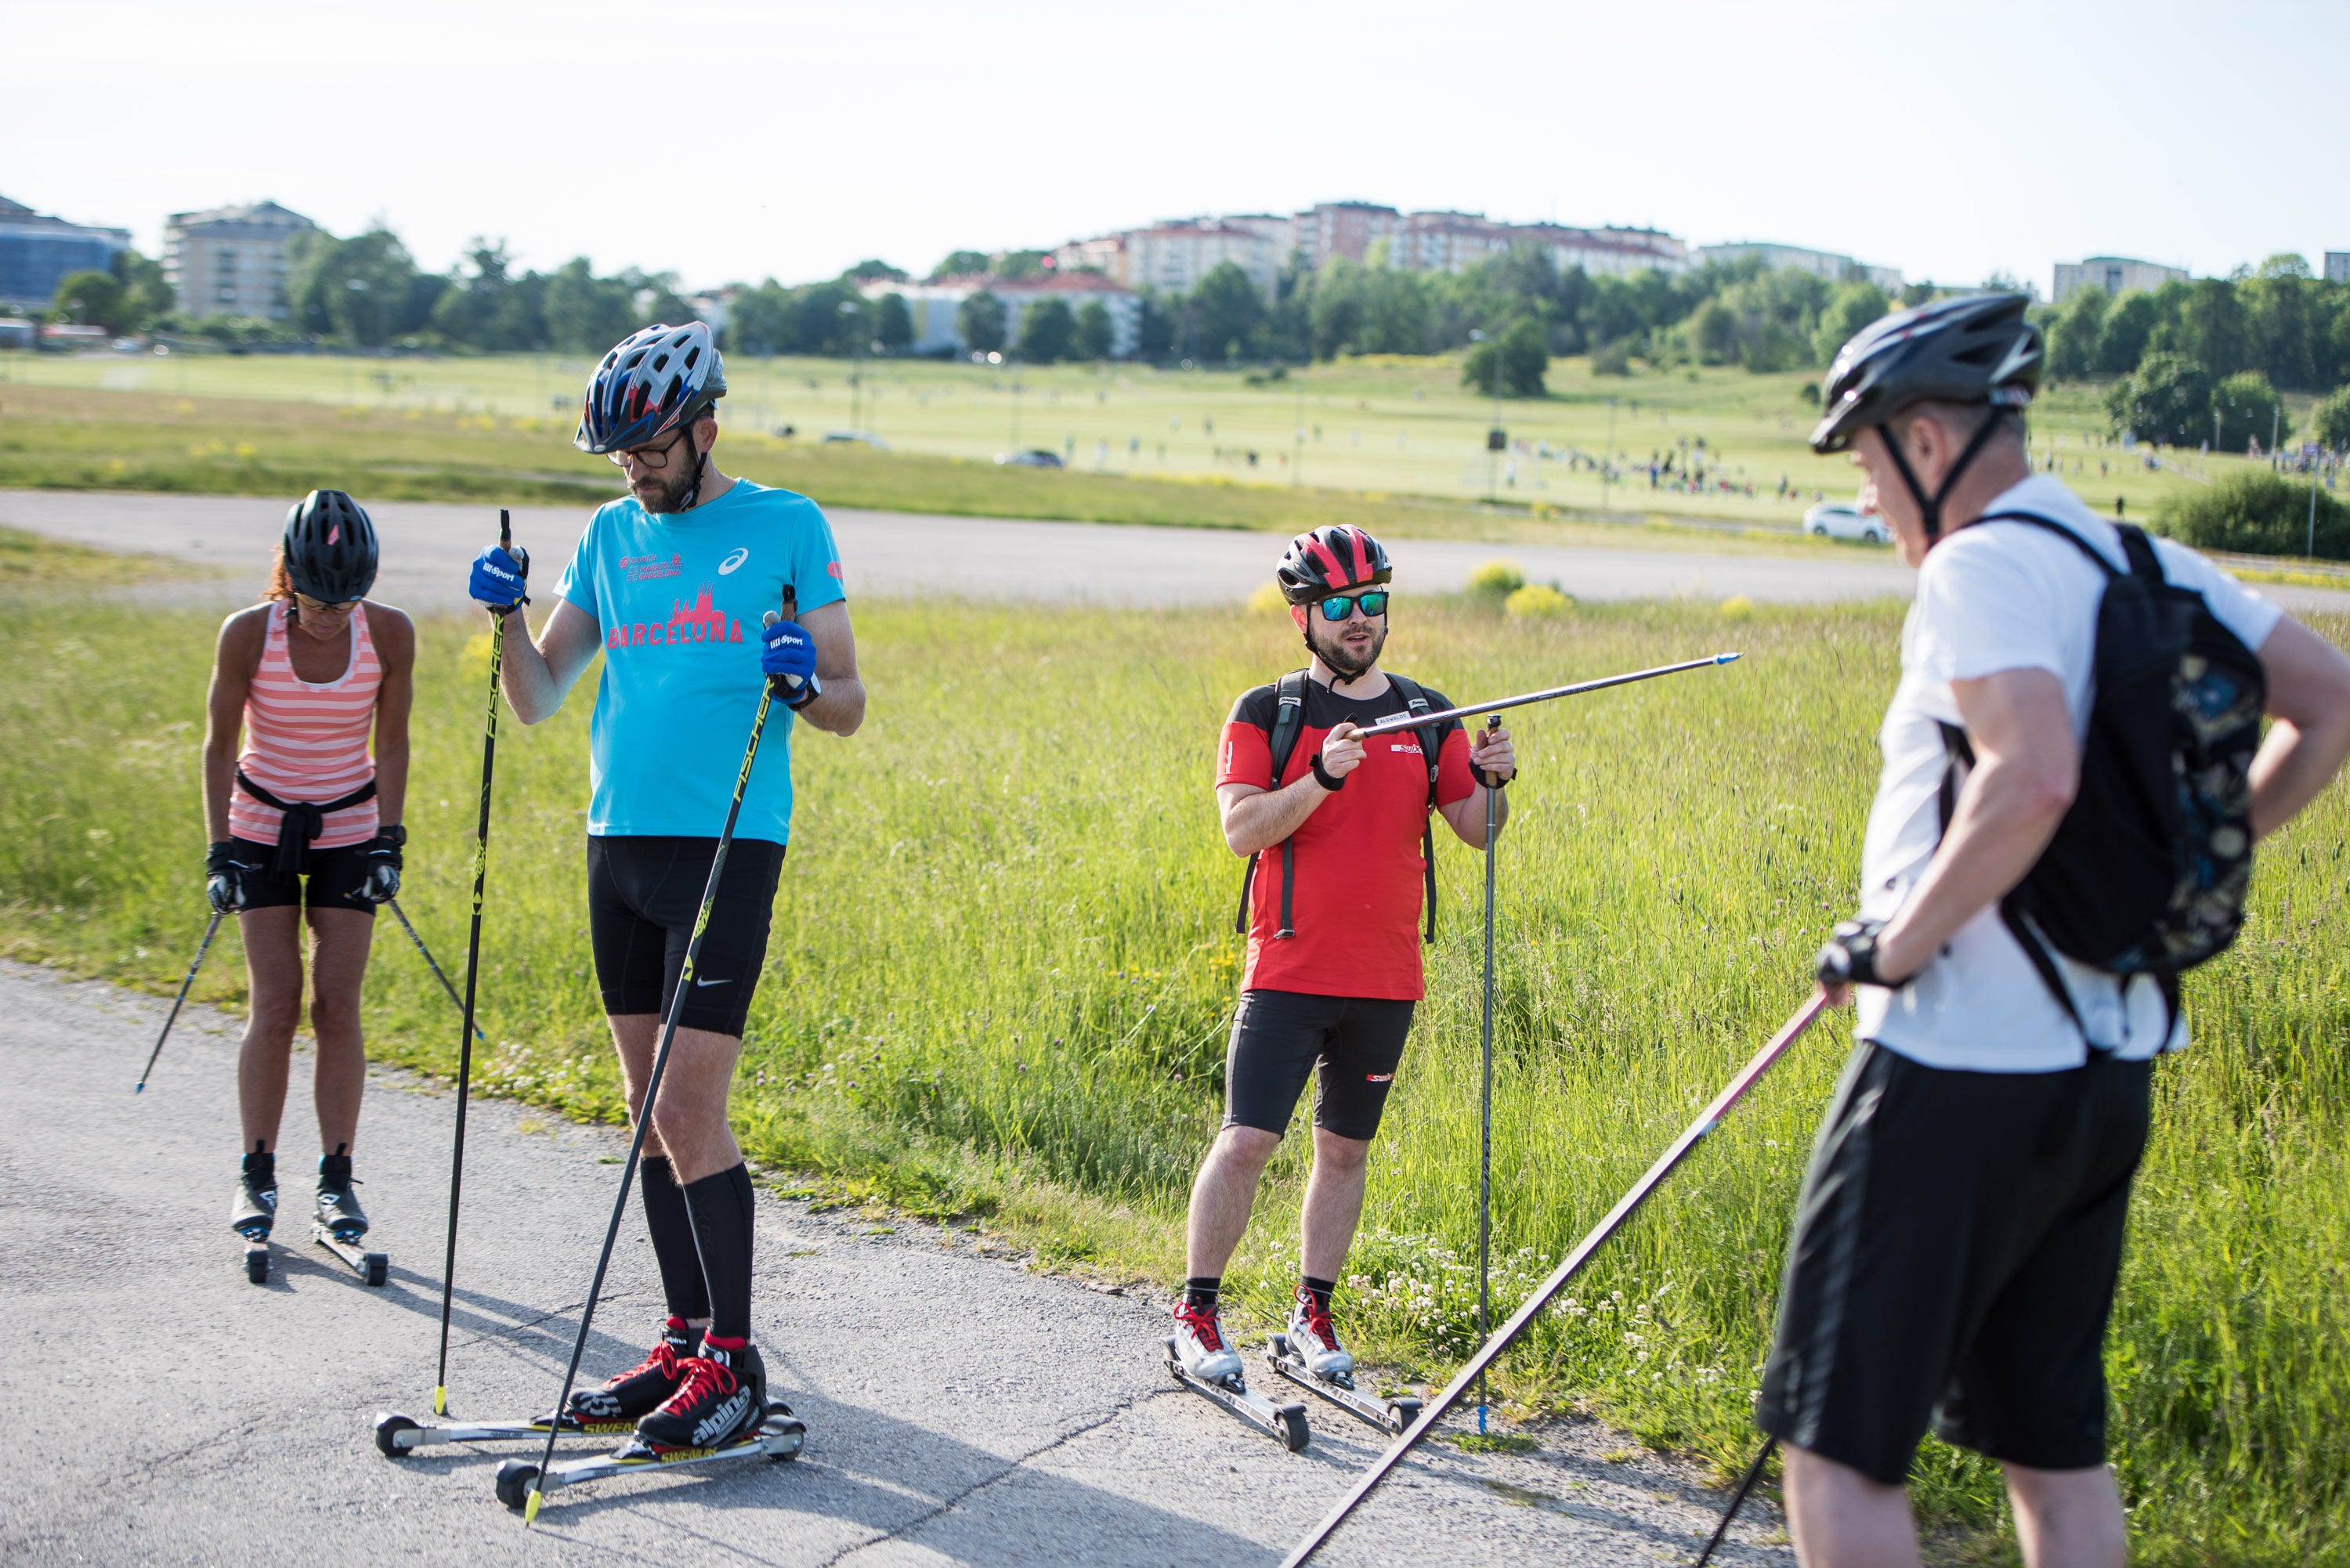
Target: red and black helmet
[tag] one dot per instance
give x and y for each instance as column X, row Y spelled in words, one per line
column 1329, row 559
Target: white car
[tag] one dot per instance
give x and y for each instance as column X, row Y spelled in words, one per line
column 1840, row 520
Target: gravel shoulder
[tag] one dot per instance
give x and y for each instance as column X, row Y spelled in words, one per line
column 962, row 1408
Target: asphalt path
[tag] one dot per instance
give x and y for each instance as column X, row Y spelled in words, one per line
column 961, row 1407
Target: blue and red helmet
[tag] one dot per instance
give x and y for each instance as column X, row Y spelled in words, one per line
column 652, row 382
column 1328, row 559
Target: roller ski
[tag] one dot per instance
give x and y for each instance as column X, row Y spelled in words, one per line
column 1308, row 1354
column 719, row 1410
column 398, row 1436
column 612, row 1410
column 1199, row 1359
column 253, row 1211
column 340, row 1224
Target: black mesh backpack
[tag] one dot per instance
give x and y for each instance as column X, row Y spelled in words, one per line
column 2148, row 870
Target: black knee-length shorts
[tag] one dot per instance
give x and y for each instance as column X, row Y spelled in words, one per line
column 643, row 894
column 1279, row 1037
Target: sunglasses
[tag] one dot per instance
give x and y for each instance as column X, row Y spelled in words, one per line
column 1338, row 607
column 321, row 607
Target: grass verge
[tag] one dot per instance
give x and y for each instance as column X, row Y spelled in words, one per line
column 1000, row 980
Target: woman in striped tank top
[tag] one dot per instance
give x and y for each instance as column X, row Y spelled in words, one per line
column 305, row 824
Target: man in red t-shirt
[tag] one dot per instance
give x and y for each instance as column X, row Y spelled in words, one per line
column 1333, row 959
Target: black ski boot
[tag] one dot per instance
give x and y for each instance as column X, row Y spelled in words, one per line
column 254, row 1209
column 642, row 1388
column 723, row 1399
column 340, row 1213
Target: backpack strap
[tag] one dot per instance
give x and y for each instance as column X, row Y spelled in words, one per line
column 2128, row 532
column 1431, row 742
column 1288, row 724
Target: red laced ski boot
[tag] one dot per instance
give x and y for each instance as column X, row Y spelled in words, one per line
column 721, row 1397
column 638, row 1391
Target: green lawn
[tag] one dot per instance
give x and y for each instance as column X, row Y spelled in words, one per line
column 1001, row 973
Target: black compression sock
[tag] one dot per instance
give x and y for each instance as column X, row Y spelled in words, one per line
column 262, row 1167
column 334, row 1173
column 1319, row 1290
column 722, row 1207
column 670, row 1224
column 1200, row 1291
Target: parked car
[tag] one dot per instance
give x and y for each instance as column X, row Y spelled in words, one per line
column 1842, row 520
column 1034, row 457
column 851, row 438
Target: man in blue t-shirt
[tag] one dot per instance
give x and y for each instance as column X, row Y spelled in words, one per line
column 671, row 583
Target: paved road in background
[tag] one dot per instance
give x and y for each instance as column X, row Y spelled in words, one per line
column 960, row 1408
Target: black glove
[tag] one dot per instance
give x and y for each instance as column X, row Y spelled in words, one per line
column 381, row 883
column 1850, row 956
column 225, row 877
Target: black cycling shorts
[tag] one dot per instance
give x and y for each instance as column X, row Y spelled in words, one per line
column 1280, row 1036
column 330, row 878
column 643, row 894
column 1955, row 1251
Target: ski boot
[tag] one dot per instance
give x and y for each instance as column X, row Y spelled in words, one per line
column 254, row 1210
column 721, row 1398
column 1307, row 1352
column 340, row 1223
column 640, row 1390
column 1198, row 1342
column 1314, row 1340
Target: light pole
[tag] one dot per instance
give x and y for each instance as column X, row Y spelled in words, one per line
column 1492, row 430
column 855, row 344
column 1297, row 462
column 1607, row 459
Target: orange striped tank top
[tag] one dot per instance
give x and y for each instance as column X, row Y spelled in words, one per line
column 307, row 742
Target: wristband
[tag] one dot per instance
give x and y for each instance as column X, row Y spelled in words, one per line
column 808, row 692
column 1322, row 777
column 396, row 833
column 1490, row 781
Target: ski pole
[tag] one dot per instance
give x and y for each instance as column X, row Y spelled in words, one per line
column 1485, row 1109
column 1745, row 1484
column 1707, row 1120
column 201, row 949
column 1414, row 721
column 453, row 1001
column 472, row 972
column 660, row 1062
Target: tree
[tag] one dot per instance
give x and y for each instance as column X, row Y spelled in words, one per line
column 875, row 270
column 1715, row 329
column 1228, row 314
column 894, row 325
column 1018, row 263
column 146, row 295
column 2128, row 329
column 2278, row 321
column 91, row 299
column 362, row 290
column 1096, row 334
column 2166, row 399
column 2074, row 333
column 979, row 320
column 2329, row 422
column 2243, row 406
column 959, row 263
column 1511, row 364
column 587, row 314
column 760, row 320
column 1853, row 307
column 1048, row 330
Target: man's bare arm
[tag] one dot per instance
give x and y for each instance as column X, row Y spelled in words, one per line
column 538, row 675
column 841, row 708
column 2309, row 704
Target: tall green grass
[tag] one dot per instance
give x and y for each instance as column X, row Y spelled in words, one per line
column 1002, row 972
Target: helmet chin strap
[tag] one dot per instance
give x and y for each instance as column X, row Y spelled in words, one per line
column 692, row 496
column 1929, row 507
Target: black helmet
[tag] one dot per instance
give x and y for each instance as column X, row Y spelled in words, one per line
column 1977, row 348
column 330, row 547
column 1327, row 559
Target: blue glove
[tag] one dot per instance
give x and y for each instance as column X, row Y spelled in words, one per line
column 788, row 655
column 498, row 576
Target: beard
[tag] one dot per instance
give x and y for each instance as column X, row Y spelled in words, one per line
column 1343, row 663
column 673, row 486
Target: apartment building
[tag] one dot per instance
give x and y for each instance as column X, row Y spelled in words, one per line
column 37, row 253
column 1173, row 258
column 935, row 306
column 231, row 261
column 2114, row 274
column 1834, row 265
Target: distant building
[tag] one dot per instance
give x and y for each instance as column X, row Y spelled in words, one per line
column 1609, row 252
column 1332, row 229
column 231, row 261
column 1834, row 265
column 37, row 253
column 1105, row 255
column 2115, row 274
column 935, row 307
column 2337, row 267
column 1173, row 258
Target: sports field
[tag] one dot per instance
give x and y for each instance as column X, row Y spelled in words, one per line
column 1003, row 968
column 1382, row 430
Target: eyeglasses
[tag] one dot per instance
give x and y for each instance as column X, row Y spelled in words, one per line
column 1338, row 607
column 321, row 607
column 655, row 458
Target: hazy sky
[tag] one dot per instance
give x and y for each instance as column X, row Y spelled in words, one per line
column 729, row 140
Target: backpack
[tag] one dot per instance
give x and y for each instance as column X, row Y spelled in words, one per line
column 1288, row 723
column 2148, row 869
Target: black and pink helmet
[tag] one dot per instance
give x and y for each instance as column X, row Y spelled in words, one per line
column 652, row 382
column 1328, row 560
column 330, row 547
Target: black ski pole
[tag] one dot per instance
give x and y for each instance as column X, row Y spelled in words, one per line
column 660, row 1062
column 1485, row 1108
column 1434, row 1411
column 201, row 949
column 472, row 969
column 455, row 1001
column 1745, row 1485
column 1414, row 721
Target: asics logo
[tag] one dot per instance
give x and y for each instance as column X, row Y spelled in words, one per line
column 726, row 567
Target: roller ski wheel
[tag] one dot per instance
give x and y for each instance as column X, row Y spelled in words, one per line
column 398, row 1436
column 778, row 1438
column 1390, row 1416
column 1284, row 1424
column 372, row 1268
column 253, row 1211
column 339, row 1225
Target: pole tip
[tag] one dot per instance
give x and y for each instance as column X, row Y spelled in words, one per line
column 140, row 1087
column 1724, row 658
column 440, row 1401
column 530, row 1509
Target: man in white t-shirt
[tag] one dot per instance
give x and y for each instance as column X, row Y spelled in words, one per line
column 1959, row 1231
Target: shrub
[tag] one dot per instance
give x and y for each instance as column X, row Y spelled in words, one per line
column 1613, row 358
column 2168, row 400
column 2247, row 408
column 1268, row 599
column 2329, row 422
column 1537, row 601
column 2256, row 514
column 1496, row 580
column 1738, row 607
